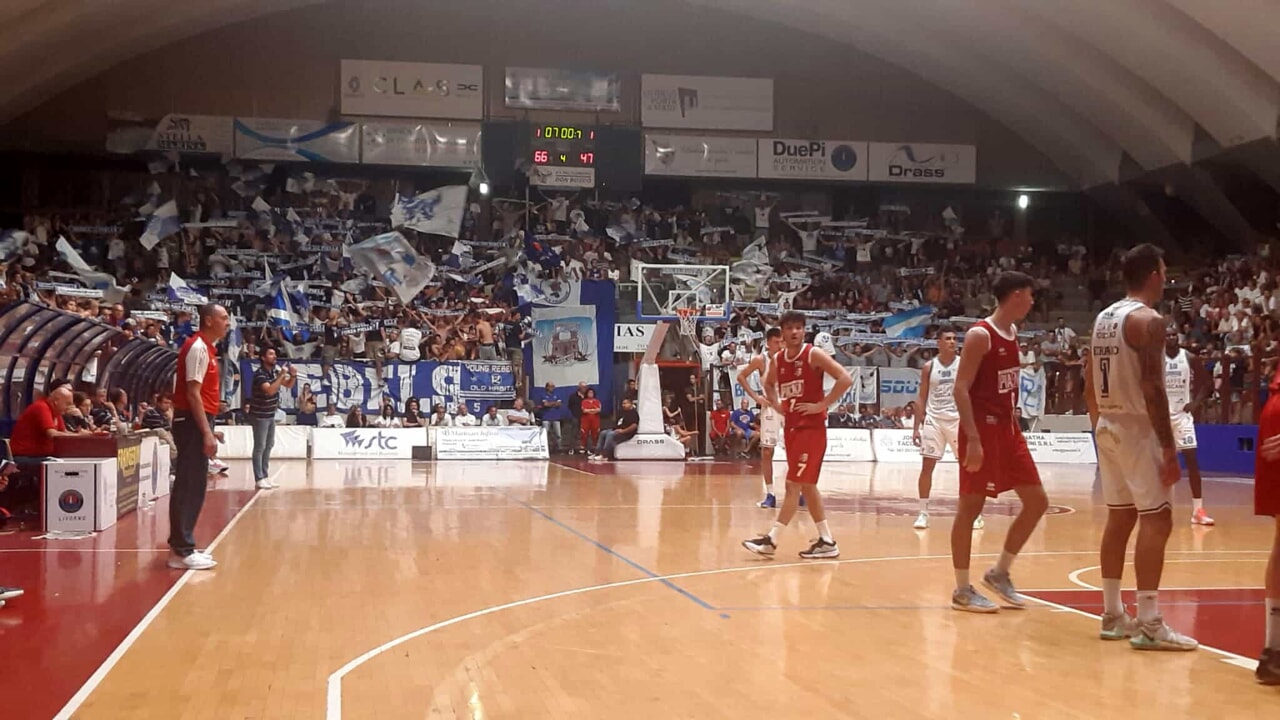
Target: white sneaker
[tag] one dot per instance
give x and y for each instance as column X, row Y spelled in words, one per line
column 922, row 521
column 265, row 484
column 1155, row 635
column 194, row 561
column 217, row 466
column 979, row 523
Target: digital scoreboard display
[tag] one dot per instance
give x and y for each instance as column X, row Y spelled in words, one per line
column 562, row 146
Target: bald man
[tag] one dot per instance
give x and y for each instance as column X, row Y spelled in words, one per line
column 38, row 425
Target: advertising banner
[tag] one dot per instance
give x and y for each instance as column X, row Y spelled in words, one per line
column 898, row 386
column 490, row 443
column 450, row 145
column 297, row 140
column 551, row 89
column 843, row 445
column 1070, row 448
column 562, row 177
column 194, row 134
column 699, row 156
column 385, row 443
column 706, row 103
column 895, row 446
column 409, row 89
column 922, row 163
column 634, row 338
column 831, row 160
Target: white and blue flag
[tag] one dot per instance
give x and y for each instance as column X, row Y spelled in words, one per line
column 438, row 211
column 160, row 225
column 909, row 323
column 181, row 292
column 390, row 258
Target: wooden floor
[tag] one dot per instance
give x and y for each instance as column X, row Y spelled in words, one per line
column 539, row 590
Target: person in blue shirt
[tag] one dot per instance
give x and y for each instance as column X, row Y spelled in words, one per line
column 740, row 427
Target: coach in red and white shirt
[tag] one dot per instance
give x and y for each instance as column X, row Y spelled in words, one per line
column 195, row 403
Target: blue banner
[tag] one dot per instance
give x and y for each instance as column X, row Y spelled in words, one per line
column 602, row 295
column 478, row 383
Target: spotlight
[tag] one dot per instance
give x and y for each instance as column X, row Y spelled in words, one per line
column 1023, row 202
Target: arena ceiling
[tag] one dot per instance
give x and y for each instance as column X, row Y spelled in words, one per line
column 1088, row 82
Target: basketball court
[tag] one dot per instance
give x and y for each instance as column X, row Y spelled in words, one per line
column 388, row 589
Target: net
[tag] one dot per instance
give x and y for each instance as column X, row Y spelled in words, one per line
column 688, row 321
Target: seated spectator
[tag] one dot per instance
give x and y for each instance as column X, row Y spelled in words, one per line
column 684, row 437
column 38, row 425
column 440, row 417
column 841, row 418
column 79, row 417
column 333, row 418
column 306, row 407
column 518, row 416
column 356, row 418
column 412, row 415
column 492, row 418
column 387, row 417
column 624, row 429
column 742, row 420
column 464, row 418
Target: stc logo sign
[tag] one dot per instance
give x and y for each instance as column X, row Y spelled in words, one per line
column 357, row 440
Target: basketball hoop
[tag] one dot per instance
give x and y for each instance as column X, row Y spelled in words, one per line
column 688, row 321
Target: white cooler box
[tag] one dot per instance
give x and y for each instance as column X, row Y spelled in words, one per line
column 80, row 495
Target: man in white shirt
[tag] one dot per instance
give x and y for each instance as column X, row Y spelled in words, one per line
column 492, row 418
column 410, row 344
column 464, row 418
column 517, row 415
column 333, row 418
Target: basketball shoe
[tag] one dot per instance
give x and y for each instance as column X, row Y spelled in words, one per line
column 1155, row 635
column 821, row 550
column 970, row 600
column 1000, row 584
column 769, row 501
column 1200, row 517
column 1118, row 627
column 762, row 545
column 1268, row 672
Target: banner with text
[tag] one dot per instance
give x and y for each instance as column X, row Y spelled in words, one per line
column 478, row 383
column 922, row 163
column 835, row 160
column 385, row 443
column 843, row 445
column 551, row 89
column 211, row 134
column 898, row 386
column 706, row 103
column 490, row 443
column 409, row 89
column 294, row 140
column 699, row 156
column 449, row 145
column 632, row 337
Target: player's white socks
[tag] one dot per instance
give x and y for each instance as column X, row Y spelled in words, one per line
column 1111, row 602
column 1148, row 605
column 924, row 505
column 773, row 531
column 962, row 579
column 824, row 532
column 1006, row 561
column 1273, row 623
column 1197, row 504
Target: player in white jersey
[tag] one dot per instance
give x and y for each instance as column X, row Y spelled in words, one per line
column 770, row 416
column 1137, row 456
column 938, row 425
column 1181, row 375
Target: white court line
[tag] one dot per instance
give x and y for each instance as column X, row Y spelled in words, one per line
column 1227, row 657
column 1074, row 575
column 101, row 673
column 85, row 550
column 333, row 703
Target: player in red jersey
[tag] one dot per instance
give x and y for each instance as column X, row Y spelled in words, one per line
column 1266, row 501
column 795, row 379
column 993, row 454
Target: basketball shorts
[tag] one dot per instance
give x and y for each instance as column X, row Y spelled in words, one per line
column 937, row 434
column 1129, row 459
column 1266, row 473
column 1184, row 430
column 770, row 426
column 806, row 447
column 1006, row 461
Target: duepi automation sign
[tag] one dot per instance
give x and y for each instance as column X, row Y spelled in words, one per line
column 923, row 163
column 838, row 160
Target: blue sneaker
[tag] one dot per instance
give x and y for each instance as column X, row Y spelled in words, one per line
column 801, row 501
column 769, row 501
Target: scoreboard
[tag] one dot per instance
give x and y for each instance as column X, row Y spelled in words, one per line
column 562, row 155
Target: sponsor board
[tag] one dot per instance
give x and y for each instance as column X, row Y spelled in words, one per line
column 1070, row 448
column 899, row 386
column 297, row 140
column 895, row 446
column 706, row 103
column 632, row 337
column 193, row 134
column 564, row 177
column 386, row 443
column 922, row 163
column 455, row 145
column 490, row 443
column 409, row 89
column 835, row 160
column 552, row 89
column 843, row 445
column 699, row 156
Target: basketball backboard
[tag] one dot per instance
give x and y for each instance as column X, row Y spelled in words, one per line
column 665, row 289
